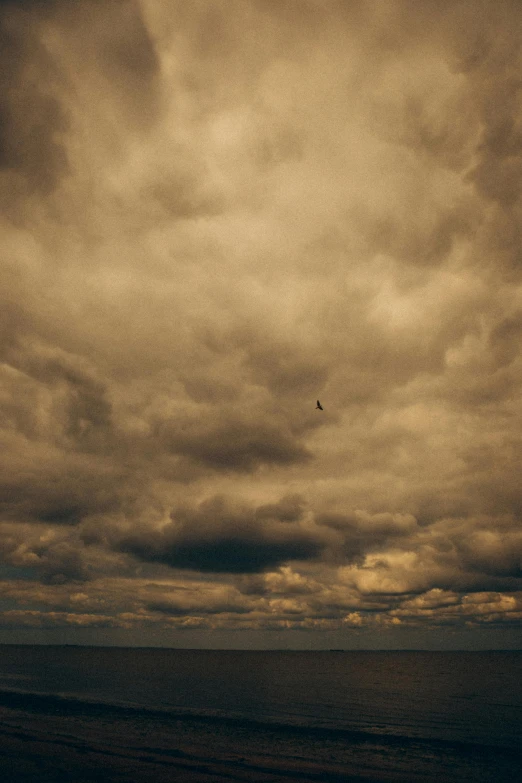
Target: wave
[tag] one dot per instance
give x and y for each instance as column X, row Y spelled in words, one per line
column 61, row 705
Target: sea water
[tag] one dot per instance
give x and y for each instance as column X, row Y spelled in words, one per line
column 91, row 713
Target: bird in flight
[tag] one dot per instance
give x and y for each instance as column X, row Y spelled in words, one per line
column 319, row 406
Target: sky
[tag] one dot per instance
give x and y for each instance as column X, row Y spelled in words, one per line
column 213, row 214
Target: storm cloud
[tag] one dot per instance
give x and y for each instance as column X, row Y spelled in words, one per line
column 214, row 213
column 216, row 536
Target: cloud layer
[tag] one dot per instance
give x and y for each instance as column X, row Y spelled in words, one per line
column 214, row 214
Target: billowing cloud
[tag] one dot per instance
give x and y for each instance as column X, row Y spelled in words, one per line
column 215, row 213
column 223, row 537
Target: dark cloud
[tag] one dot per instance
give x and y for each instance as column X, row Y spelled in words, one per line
column 214, row 214
column 30, row 618
column 62, row 564
column 50, row 488
column 111, row 45
column 289, row 509
column 56, row 424
column 183, row 602
column 51, row 559
column 85, row 407
column 56, row 556
column 28, row 5
column 229, row 441
column 467, row 554
column 362, row 533
column 218, row 536
column 493, row 552
column 288, row 367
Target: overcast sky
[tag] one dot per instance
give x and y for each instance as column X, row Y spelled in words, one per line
column 215, row 213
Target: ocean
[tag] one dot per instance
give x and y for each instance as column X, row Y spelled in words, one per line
column 83, row 714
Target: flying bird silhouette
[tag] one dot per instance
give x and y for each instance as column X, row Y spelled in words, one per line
column 319, row 406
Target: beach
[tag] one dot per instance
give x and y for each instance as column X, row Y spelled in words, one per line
column 122, row 715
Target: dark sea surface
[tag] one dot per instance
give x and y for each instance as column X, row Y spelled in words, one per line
column 93, row 714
